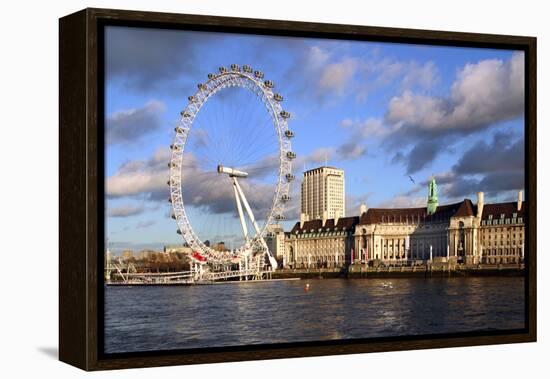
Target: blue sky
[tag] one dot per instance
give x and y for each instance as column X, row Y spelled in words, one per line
column 380, row 111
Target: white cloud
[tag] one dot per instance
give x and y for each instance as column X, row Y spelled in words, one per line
column 140, row 176
column 424, row 76
column 316, row 57
column 376, row 72
column 320, row 155
column 351, row 150
column 125, row 211
column 483, row 94
column 201, row 188
column 130, row 125
column 327, row 73
column 337, row 76
column 322, row 75
column 418, row 110
column 368, row 128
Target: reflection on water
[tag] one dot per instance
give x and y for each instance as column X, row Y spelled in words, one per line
column 164, row 318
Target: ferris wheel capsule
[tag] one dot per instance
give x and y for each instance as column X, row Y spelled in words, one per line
column 269, row 84
column 285, row 198
column 258, row 74
column 222, row 70
column 289, row 133
column 291, row 155
column 289, row 177
column 277, row 97
column 211, row 76
column 201, row 86
column 235, row 67
column 191, row 99
column 285, row 114
column 247, row 68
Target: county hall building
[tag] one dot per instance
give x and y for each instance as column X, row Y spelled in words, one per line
column 462, row 232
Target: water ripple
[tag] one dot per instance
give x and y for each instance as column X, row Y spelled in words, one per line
column 152, row 318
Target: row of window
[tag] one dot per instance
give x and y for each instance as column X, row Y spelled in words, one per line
column 496, row 243
column 502, row 221
column 501, row 251
column 501, row 236
column 491, row 230
column 326, row 234
column 326, row 258
column 502, row 215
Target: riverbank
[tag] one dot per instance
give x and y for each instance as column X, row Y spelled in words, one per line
column 442, row 270
column 435, row 270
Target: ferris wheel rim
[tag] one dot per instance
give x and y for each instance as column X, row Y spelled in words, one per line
column 272, row 101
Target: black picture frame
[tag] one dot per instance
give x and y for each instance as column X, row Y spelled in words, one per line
column 81, row 187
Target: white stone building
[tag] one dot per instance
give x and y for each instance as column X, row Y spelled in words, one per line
column 275, row 239
column 462, row 232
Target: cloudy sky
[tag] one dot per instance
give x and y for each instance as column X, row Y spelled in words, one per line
column 380, row 111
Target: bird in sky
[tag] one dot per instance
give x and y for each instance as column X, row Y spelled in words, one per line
column 412, row 180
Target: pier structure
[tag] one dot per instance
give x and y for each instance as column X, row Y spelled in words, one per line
column 120, row 273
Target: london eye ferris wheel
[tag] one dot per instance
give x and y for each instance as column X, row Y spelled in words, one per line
column 231, row 166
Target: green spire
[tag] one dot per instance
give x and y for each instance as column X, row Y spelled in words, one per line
column 432, row 197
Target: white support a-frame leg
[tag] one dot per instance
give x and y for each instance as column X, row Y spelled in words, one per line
column 240, row 209
column 240, row 194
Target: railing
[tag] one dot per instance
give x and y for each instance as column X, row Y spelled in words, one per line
column 186, row 277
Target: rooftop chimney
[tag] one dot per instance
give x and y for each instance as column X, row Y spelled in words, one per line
column 303, row 218
column 325, row 216
column 520, row 200
column 336, row 217
column 362, row 209
column 480, row 203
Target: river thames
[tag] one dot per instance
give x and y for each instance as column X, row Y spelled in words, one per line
column 183, row 317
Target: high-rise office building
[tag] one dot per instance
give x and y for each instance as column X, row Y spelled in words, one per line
column 323, row 190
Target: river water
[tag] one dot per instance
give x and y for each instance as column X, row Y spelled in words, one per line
column 182, row 317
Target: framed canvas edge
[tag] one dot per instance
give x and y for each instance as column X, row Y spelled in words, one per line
column 80, row 139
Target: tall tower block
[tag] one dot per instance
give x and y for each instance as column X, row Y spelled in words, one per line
column 323, row 190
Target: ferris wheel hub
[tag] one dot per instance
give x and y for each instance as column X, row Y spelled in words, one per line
column 231, row 172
